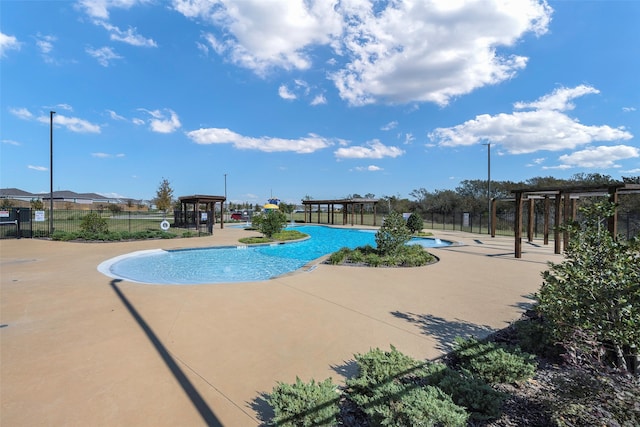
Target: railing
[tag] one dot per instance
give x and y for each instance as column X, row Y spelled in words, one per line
column 32, row 224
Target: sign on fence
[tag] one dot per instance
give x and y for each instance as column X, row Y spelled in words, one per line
column 39, row 217
column 465, row 219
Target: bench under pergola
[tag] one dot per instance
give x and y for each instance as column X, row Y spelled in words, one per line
column 565, row 199
column 349, row 207
column 196, row 201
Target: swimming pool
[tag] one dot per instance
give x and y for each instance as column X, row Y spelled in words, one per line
column 239, row 263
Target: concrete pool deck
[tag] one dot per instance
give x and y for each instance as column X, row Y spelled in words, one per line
column 78, row 348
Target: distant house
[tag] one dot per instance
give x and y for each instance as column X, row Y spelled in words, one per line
column 58, row 196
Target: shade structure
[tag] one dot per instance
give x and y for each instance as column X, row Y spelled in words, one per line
column 270, row 206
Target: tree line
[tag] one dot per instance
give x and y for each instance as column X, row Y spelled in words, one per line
column 472, row 195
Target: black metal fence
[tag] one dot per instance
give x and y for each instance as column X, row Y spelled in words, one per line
column 25, row 222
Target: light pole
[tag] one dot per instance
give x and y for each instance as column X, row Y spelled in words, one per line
column 488, row 144
column 51, row 113
column 225, row 193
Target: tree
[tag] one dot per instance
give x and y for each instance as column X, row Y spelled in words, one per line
column 415, row 223
column 269, row 222
column 595, row 292
column 392, row 235
column 37, row 204
column 164, row 196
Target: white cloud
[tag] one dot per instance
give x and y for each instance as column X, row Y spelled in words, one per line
column 395, row 52
column 603, row 157
column 265, row 34
column 285, row 93
column 628, row 109
column 100, row 8
column 129, row 36
column 559, row 100
column 137, row 121
column 390, row 125
column 319, row 100
column 637, row 170
column 106, row 155
column 303, row 145
column 73, row 124
column 45, row 46
column 546, row 128
column 166, row 121
column 22, row 113
column 7, row 43
column 115, row 116
column 373, row 150
column 104, row 55
column 408, row 138
column 370, row 168
column 38, row 168
column 10, row 142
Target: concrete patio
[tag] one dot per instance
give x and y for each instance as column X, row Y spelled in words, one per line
column 79, row 348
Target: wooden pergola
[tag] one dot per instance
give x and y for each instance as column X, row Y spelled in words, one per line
column 564, row 200
column 196, row 201
column 349, row 207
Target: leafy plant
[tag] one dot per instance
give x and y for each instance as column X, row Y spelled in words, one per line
column 474, row 394
column 494, row 363
column 392, row 235
column 94, row 223
column 596, row 290
column 305, row 404
column 388, row 390
column 269, row 222
column 415, row 223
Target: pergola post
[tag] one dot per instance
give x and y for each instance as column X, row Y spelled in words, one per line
column 518, row 225
column 530, row 220
column 566, row 215
column 545, row 230
column 557, row 219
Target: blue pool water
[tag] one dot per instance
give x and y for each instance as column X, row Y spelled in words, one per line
column 239, row 263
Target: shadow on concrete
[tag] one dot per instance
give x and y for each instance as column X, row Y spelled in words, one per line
column 262, row 407
column 444, row 331
column 349, row 369
column 205, row 412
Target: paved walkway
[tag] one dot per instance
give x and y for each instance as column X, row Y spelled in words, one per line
column 79, row 349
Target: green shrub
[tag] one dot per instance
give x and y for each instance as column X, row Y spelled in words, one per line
column 269, row 222
column 378, row 366
column 415, row 223
column 407, row 404
column 480, row 399
column 305, row 404
column 339, row 256
column 596, row 290
column 494, row 363
column 392, row 235
column 94, row 223
column 387, row 389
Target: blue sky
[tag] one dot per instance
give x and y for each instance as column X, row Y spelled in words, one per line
column 325, row 99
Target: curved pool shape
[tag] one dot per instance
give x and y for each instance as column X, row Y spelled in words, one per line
column 239, row 263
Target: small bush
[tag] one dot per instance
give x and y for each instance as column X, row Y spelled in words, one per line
column 494, row 363
column 406, row 404
column 482, row 401
column 392, row 235
column 415, row 223
column 305, row 404
column 339, row 256
column 387, row 389
column 94, row 223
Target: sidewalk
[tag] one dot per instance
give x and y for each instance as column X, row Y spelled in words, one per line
column 78, row 348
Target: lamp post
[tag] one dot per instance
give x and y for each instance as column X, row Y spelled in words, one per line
column 488, row 144
column 51, row 113
column 225, row 193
